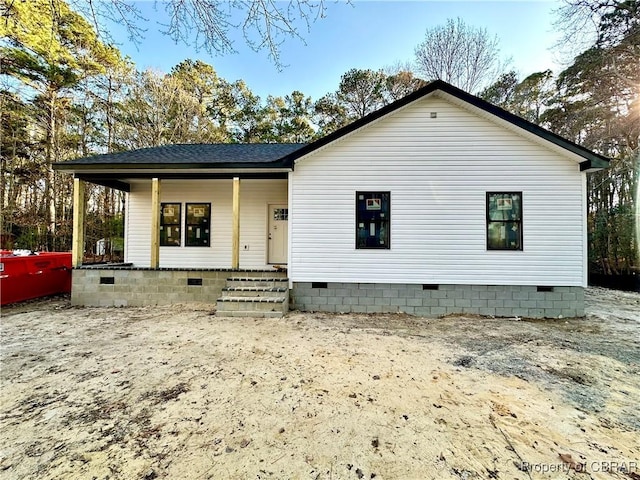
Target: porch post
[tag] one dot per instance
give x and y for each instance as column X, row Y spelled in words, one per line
column 155, row 223
column 235, row 241
column 77, row 244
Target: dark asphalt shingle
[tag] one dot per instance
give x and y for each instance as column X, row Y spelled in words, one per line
column 199, row 153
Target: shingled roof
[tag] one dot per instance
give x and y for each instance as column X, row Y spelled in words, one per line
column 199, row 155
column 277, row 156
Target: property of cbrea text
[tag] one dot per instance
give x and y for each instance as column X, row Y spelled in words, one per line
column 617, row 466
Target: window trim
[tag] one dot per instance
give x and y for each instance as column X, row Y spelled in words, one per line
column 186, row 225
column 520, row 222
column 388, row 220
column 164, row 225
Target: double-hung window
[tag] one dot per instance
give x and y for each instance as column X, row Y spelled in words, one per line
column 504, row 220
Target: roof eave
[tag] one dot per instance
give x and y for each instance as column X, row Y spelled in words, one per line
column 599, row 161
column 71, row 167
column 593, row 165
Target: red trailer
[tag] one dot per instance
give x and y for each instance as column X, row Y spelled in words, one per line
column 23, row 277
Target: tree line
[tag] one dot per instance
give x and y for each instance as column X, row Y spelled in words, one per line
column 66, row 93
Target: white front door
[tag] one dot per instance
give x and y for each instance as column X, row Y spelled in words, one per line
column 278, row 233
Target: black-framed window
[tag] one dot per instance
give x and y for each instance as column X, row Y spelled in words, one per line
column 197, row 224
column 170, row 224
column 373, row 219
column 504, row 220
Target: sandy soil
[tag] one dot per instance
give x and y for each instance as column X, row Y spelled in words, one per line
column 176, row 392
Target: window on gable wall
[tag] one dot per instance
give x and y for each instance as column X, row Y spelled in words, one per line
column 373, row 220
column 170, row 224
column 504, row 220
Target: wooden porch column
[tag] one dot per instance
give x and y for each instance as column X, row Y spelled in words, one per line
column 79, row 204
column 155, row 222
column 235, row 240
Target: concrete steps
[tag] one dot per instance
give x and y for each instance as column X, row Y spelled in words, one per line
column 253, row 296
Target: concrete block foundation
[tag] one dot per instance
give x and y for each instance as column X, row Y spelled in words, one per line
column 104, row 286
column 129, row 286
column 436, row 300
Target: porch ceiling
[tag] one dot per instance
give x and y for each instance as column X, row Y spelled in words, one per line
column 122, row 180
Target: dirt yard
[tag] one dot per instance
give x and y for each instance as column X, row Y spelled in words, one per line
column 178, row 393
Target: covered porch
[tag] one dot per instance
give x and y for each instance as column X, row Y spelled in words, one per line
column 185, row 239
column 199, row 223
column 189, row 226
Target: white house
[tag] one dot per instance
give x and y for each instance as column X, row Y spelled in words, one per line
column 438, row 203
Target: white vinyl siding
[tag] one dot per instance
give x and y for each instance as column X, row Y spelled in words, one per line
column 438, row 171
column 255, row 196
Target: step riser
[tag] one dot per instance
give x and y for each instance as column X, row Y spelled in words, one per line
column 247, row 314
column 251, row 306
column 254, row 293
column 256, row 274
column 258, row 283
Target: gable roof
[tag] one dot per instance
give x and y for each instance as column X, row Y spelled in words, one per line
column 246, row 156
column 592, row 159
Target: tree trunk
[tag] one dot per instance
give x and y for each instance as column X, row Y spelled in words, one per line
column 49, row 189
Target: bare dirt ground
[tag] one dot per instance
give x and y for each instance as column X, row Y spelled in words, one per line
column 175, row 392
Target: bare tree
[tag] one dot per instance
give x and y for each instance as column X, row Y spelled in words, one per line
column 460, row 54
column 210, row 24
column 597, row 22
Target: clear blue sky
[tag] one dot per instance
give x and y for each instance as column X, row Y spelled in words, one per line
column 364, row 34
